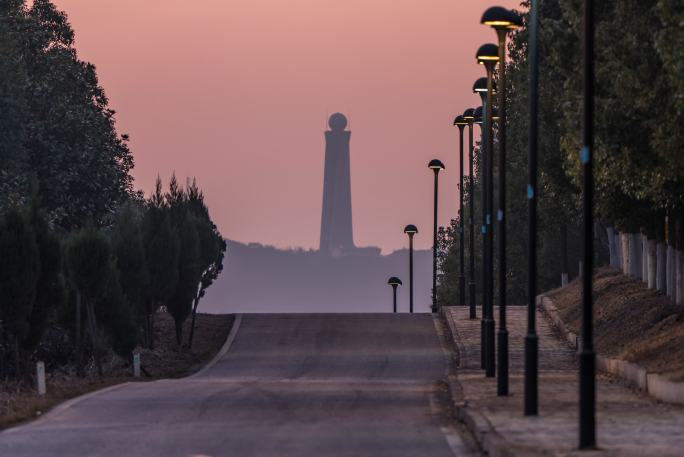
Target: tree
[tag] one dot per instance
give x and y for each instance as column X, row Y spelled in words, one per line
column 19, row 275
column 90, row 264
column 189, row 274
column 50, row 289
column 116, row 316
column 56, row 123
column 212, row 248
column 189, row 267
column 131, row 262
column 162, row 251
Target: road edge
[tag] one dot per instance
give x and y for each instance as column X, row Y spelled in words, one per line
column 67, row 404
column 224, row 349
column 485, row 437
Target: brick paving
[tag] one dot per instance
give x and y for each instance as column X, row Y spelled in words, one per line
column 629, row 423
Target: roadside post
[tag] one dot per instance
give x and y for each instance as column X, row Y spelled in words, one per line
column 136, row 365
column 40, row 377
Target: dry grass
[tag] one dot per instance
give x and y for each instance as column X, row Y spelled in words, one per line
column 632, row 323
column 19, row 401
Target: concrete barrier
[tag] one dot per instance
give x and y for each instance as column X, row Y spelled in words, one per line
column 662, row 389
column 633, row 374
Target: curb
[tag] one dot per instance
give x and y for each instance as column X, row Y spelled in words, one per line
column 633, row 374
column 224, row 349
column 487, row 438
column 65, row 405
column 485, row 435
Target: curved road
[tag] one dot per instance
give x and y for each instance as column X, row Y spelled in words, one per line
column 289, row 385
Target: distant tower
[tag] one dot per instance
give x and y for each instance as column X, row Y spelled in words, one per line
column 336, row 222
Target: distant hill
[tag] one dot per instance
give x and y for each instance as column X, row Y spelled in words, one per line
column 258, row 279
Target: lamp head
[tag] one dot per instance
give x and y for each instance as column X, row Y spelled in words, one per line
column 460, row 121
column 394, row 281
column 501, row 18
column 495, row 114
column 478, row 115
column 411, row 229
column 488, row 53
column 480, row 86
column 468, row 114
column 436, row 165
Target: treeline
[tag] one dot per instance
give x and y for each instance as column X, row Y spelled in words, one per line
column 639, row 167
column 85, row 261
column 103, row 286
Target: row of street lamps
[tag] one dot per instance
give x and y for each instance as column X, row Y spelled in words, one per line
column 493, row 56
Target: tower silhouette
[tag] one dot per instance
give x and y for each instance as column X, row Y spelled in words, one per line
column 337, row 236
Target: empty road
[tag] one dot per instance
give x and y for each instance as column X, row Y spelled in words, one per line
column 289, row 385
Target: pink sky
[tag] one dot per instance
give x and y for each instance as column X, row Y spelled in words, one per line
column 237, row 93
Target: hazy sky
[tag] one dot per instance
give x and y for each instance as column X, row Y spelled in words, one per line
column 237, row 94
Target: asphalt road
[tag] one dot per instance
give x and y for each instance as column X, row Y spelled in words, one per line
column 289, row 385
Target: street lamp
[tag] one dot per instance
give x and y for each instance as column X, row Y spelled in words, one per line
column 488, row 56
column 461, row 123
column 531, row 383
column 394, row 282
column 502, row 20
column 435, row 165
column 587, row 372
column 477, row 119
column 410, row 230
column 469, row 117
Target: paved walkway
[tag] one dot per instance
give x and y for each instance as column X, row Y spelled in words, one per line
column 629, row 424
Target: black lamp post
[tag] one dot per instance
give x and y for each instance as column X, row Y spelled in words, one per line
column 587, row 374
column 410, row 230
column 394, row 282
column 488, row 55
column 435, row 165
column 502, row 20
column 531, row 388
column 478, row 119
column 469, row 118
column 461, row 123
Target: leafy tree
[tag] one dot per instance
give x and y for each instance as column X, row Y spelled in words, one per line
column 189, row 267
column 117, row 318
column 212, row 248
column 90, row 264
column 162, row 251
column 131, row 262
column 50, row 288
column 19, row 276
column 59, row 128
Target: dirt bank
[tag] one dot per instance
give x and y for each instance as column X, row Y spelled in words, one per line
column 632, row 322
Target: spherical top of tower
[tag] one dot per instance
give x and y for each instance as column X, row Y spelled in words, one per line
column 337, row 122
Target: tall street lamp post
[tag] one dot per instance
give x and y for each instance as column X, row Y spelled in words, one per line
column 587, row 400
column 461, row 123
column 410, row 230
column 531, row 389
column 394, row 282
column 469, row 118
column 478, row 119
column 502, row 20
column 435, row 165
column 488, row 55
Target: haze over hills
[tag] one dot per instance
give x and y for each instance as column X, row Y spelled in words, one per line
column 262, row 279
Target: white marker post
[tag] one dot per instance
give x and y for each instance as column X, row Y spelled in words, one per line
column 40, row 373
column 136, row 365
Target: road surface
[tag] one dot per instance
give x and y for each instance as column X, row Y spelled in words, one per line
column 289, row 385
